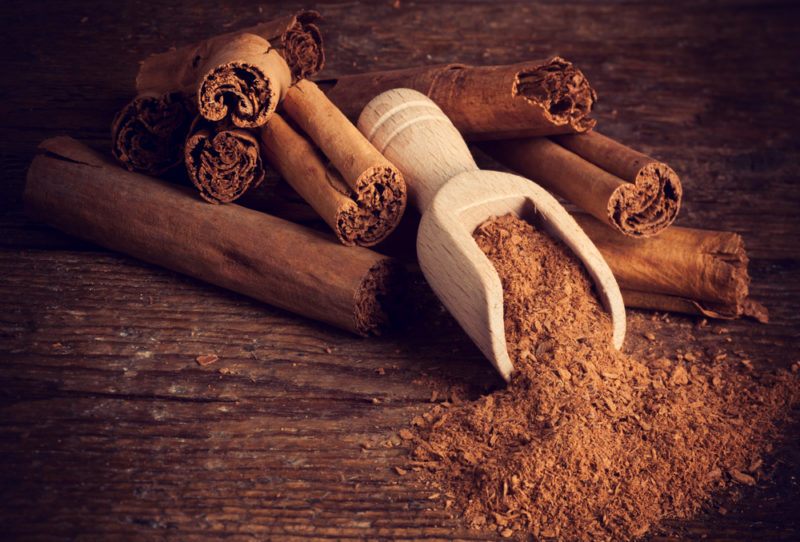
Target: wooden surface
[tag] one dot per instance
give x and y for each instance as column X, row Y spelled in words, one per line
column 110, row 429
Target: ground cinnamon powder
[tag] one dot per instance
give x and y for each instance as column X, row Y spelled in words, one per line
column 587, row 443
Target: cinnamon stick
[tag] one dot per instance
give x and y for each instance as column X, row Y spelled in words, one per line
column 241, row 75
column 633, row 193
column 375, row 185
column 302, row 166
column 79, row 191
column 540, row 97
column 683, row 270
column 148, row 133
column 223, row 162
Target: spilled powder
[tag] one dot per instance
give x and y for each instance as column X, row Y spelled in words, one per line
column 587, row 443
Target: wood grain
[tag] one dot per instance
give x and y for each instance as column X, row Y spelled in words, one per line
column 110, row 429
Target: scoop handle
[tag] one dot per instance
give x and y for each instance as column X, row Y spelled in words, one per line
column 413, row 133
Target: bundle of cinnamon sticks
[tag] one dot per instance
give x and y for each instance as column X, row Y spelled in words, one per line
column 238, row 76
column 236, row 82
column 232, row 107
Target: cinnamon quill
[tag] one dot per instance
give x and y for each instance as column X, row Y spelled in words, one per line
column 539, row 97
column 147, row 135
column 82, row 193
column 303, row 167
column 222, row 161
column 682, row 269
column 374, row 186
column 242, row 75
column 631, row 192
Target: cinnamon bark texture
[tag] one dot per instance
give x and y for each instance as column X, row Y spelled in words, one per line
column 540, row 97
column 375, row 185
column 222, row 162
column 79, row 191
column 633, row 193
column 241, row 75
column 147, row 135
column 304, row 168
column 683, row 270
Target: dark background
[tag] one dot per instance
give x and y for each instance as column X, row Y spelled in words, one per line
column 109, row 428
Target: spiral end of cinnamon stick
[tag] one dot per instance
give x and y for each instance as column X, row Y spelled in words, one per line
column 147, row 134
column 648, row 205
column 302, row 46
column 379, row 205
column 379, row 297
column 561, row 90
column 223, row 165
column 239, row 91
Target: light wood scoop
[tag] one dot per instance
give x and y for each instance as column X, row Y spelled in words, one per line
column 455, row 197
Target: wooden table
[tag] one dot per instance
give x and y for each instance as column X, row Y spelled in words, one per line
column 110, row 429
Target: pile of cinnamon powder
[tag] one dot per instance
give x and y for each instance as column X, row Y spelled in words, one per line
column 587, row 443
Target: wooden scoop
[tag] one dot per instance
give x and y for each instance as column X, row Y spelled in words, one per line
column 455, row 197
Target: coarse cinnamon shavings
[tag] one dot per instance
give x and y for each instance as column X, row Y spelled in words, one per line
column 586, row 442
column 206, row 359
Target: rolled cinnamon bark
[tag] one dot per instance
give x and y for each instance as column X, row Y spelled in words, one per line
column 223, row 162
column 299, row 40
column 540, row 97
column 683, row 269
column 303, row 167
column 147, row 135
column 373, row 183
column 654, row 194
column 82, row 193
column 240, row 75
column 631, row 192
